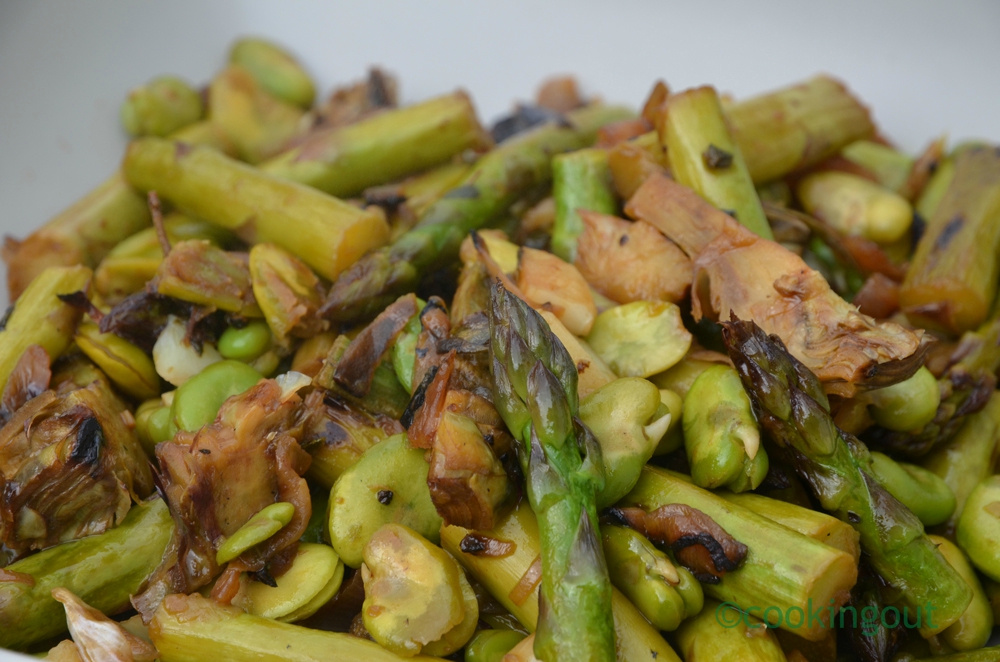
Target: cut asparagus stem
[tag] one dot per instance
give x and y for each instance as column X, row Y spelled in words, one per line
column 493, row 185
column 344, row 161
column 503, row 577
column 704, row 156
column 783, row 567
column 792, row 409
column 796, row 127
column 580, row 180
column 812, row 523
column 952, row 280
column 325, row 233
column 534, row 389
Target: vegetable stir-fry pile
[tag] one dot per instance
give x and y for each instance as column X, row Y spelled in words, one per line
column 362, row 380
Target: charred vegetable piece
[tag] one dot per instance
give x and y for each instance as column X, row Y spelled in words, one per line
column 287, row 291
column 724, row 632
column 197, row 272
column 413, row 594
column 323, row 232
column 218, row 478
column 546, row 281
column 758, row 279
column 792, row 128
column 41, row 318
column 580, row 180
column 704, row 156
column 978, row 532
column 160, row 107
column 792, row 409
column 496, row 181
column 952, row 280
column 103, row 570
column 70, row 467
column 640, row 339
column 534, row 389
column 721, row 434
column 782, row 567
column 664, row 593
column 275, row 69
column 397, row 472
column 631, row 261
column 973, row 629
column 509, row 580
column 345, row 160
column 626, row 418
column 125, row 364
column 259, row 124
column 189, row 628
column 855, row 206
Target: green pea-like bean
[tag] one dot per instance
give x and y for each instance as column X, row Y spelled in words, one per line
column 908, row 405
column 923, row 492
column 245, row 344
column 978, row 531
column 491, row 645
column 160, row 426
column 973, row 629
column 197, row 401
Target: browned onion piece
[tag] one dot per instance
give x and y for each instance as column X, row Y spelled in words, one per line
column 528, row 582
column 356, row 367
column 479, row 544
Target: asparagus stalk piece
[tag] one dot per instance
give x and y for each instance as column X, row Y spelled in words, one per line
column 796, row 127
column 102, row 570
column 952, row 280
column 191, row 629
column 41, row 318
column 889, row 166
column 344, row 161
column 87, row 230
column 323, row 232
column 720, row 632
column 580, row 180
column 534, row 389
column 705, row 157
column 793, row 410
column 504, row 576
column 494, row 183
column 275, row 69
column 812, row 523
column 161, row 107
column 967, row 459
column 783, row 567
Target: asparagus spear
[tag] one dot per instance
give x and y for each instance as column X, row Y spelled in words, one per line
column 796, row 127
column 496, row 182
column 275, row 69
column 41, row 318
column 505, row 578
column 87, row 231
column 103, row 570
column 323, row 232
column 704, row 156
column 580, row 180
column 160, row 107
column 793, row 409
column 344, row 161
column 534, row 388
column 952, row 280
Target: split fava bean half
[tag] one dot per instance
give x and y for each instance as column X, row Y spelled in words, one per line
column 979, row 527
column 640, row 339
column 258, row 528
column 126, row 365
column 314, row 577
column 197, row 401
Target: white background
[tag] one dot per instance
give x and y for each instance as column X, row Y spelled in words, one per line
column 924, row 67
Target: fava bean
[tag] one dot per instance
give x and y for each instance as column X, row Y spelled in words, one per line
column 247, row 343
column 923, row 492
column 979, row 527
column 197, row 401
column 126, row 365
column 258, row 528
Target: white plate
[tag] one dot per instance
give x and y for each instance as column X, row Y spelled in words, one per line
column 924, row 67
